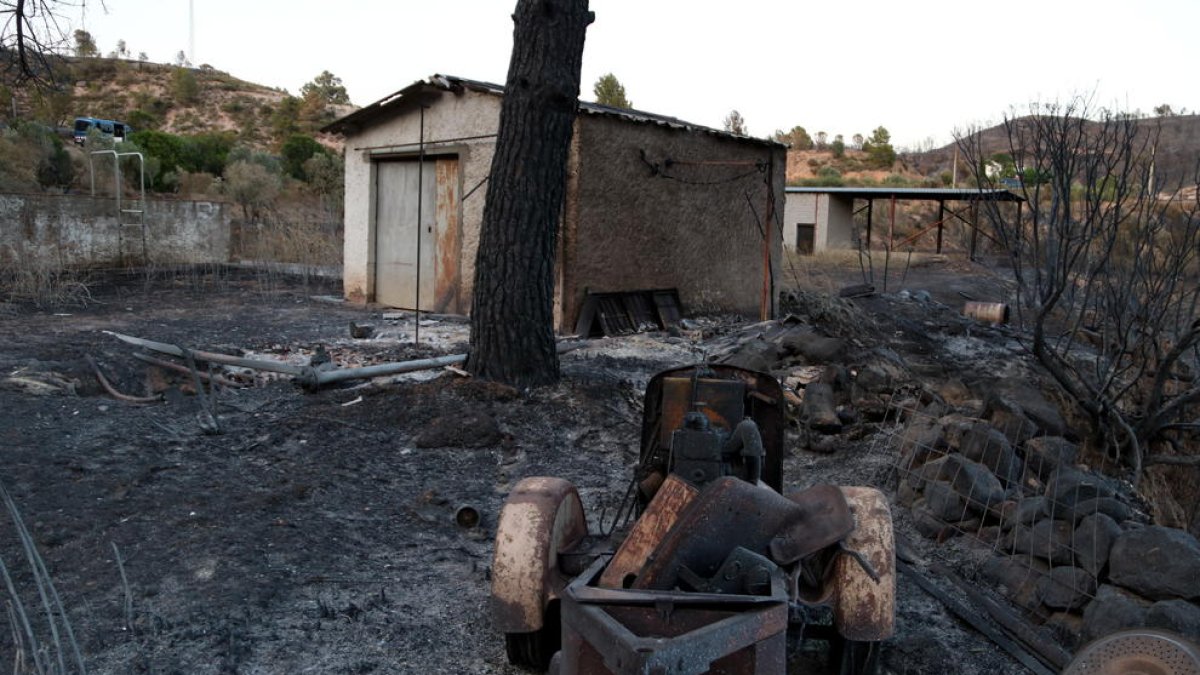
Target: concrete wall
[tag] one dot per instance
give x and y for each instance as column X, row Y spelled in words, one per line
column 450, row 116
column 800, row 208
column 831, row 215
column 688, row 227
column 82, row 230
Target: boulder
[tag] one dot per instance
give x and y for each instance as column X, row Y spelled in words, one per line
column 820, row 412
column 881, row 377
column 1005, row 415
column 955, row 427
column 954, row 392
column 1066, row 627
column 943, row 502
column 1177, row 616
column 1044, row 454
column 973, row 481
column 1017, row 577
column 929, row 525
column 1066, row 588
column 1094, row 537
column 1029, row 510
column 812, row 347
column 921, row 436
column 1157, row 562
column 991, row 448
column 1067, row 487
column 1047, row 539
column 1109, row 506
column 1044, row 414
column 1113, row 609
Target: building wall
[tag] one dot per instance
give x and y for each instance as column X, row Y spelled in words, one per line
column 835, row 222
column 800, row 208
column 450, row 116
column 688, row 227
column 78, row 230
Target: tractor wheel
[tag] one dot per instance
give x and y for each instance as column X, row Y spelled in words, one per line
column 864, row 608
column 854, row 657
column 536, row 648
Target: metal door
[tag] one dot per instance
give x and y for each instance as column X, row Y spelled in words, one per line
column 396, row 245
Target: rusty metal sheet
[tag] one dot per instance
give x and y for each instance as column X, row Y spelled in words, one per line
column 447, row 281
column 648, row 531
column 729, row 512
column 822, row 519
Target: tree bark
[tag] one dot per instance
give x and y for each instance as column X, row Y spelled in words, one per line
column 512, row 311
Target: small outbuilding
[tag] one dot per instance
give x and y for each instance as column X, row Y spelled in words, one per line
column 823, row 218
column 651, row 202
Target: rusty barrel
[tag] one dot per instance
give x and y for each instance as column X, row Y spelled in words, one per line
column 991, row 312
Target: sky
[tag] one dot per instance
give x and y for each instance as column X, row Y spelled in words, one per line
column 922, row 68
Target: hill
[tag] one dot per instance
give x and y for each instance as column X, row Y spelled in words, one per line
column 178, row 100
column 1178, row 148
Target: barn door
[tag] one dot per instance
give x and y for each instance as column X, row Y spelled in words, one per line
column 396, row 246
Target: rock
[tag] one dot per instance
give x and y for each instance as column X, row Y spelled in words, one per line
column 812, row 347
column 1047, row 539
column 467, row 430
column 1006, row 416
column 1158, row 562
column 1109, row 506
column 1048, row 421
column 977, row 485
column 1066, row 627
column 1029, row 510
column 1044, row 454
column 881, row 377
column 929, row 525
column 1005, row 512
column 1112, row 610
column 1016, row 577
column 1094, row 537
column 1067, row 487
column 1066, row 588
column 1177, row 616
column 991, row 448
column 954, row 392
column 819, row 409
column 955, row 427
column 755, row 354
column 943, row 502
column 906, row 494
column 920, row 442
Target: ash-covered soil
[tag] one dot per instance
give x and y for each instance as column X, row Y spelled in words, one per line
column 315, row 532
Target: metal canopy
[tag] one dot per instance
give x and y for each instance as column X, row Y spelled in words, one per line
column 930, row 194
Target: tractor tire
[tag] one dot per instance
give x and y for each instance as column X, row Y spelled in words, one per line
column 535, row 649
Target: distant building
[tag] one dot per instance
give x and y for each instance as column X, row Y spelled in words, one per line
column 651, row 202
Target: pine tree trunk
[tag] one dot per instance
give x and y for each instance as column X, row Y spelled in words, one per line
column 512, row 312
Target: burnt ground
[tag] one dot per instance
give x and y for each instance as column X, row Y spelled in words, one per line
column 315, row 533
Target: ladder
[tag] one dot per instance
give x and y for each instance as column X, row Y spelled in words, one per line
column 131, row 216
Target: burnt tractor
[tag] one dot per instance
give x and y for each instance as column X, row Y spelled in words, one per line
column 720, row 571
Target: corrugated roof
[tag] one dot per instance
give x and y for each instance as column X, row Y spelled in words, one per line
column 948, row 194
column 395, row 103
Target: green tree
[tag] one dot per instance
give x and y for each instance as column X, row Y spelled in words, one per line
column 284, row 119
column 184, row 86
column 85, row 46
column 251, row 185
column 328, row 88
column 838, row 146
column 880, row 153
column 609, row 91
column 798, row 138
column 297, row 150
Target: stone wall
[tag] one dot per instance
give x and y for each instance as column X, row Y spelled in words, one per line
column 80, row 230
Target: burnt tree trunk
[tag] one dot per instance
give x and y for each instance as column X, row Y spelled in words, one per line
column 512, row 313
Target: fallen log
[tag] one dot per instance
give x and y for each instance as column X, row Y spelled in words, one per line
column 1019, row 628
column 976, row 621
column 820, row 410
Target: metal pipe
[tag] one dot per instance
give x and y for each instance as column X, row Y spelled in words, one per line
column 314, row 377
column 173, row 350
column 420, row 195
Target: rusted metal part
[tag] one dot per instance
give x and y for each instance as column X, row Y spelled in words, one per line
column 669, row 395
column 674, row 495
column 449, row 238
column 180, row 368
column 629, row 631
column 466, row 516
column 864, row 608
column 112, row 391
column 991, row 312
column 728, row 513
column 823, row 519
column 541, row 518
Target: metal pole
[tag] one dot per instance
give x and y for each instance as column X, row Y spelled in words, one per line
column 941, row 222
column 420, row 195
